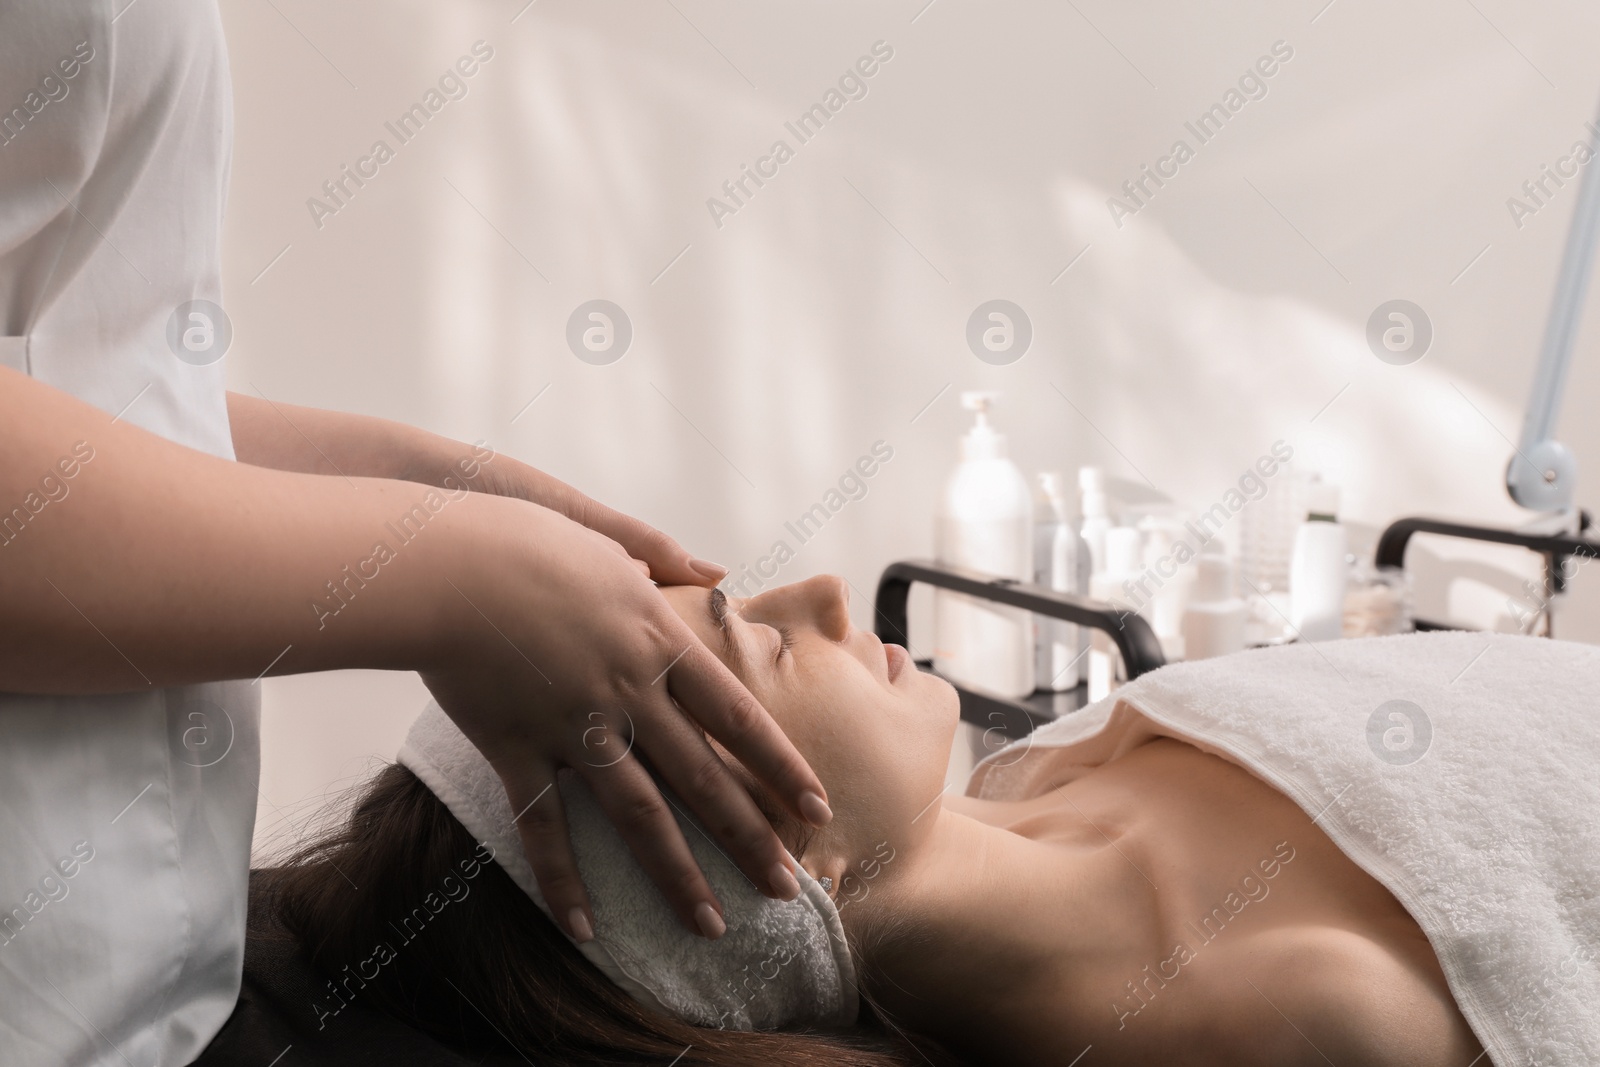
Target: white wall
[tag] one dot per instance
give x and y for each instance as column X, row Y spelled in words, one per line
column 831, row 308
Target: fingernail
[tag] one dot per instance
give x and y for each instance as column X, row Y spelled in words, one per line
column 710, row 923
column 706, row 569
column 815, row 809
column 578, row 923
column 783, row 881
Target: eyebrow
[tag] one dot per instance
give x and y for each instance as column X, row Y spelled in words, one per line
column 717, row 608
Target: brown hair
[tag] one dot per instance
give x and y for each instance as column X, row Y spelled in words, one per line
column 488, row 968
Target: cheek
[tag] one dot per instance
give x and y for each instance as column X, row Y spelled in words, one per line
column 832, row 714
column 822, row 707
column 888, row 747
column 935, row 723
column 929, row 707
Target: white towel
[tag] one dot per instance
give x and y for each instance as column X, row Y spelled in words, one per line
column 781, row 964
column 1481, row 814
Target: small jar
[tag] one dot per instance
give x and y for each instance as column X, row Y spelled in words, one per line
column 1378, row 601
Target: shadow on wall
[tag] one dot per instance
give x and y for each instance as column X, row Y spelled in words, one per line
column 807, row 301
column 773, row 345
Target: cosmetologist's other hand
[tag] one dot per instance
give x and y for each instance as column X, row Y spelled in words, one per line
column 568, row 656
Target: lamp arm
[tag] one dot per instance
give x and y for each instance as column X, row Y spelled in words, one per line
column 1543, row 473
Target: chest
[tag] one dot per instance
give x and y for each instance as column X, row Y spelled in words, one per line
column 1209, row 864
column 1209, row 843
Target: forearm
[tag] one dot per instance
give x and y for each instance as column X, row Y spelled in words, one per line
column 288, row 437
column 154, row 564
column 314, row 441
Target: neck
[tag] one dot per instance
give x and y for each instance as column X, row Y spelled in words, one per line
column 998, row 925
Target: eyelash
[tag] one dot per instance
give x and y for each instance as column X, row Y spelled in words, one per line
column 785, row 635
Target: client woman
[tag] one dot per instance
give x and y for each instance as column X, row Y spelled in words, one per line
column 980, row 931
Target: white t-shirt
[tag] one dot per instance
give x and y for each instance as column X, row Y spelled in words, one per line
column 125, row 819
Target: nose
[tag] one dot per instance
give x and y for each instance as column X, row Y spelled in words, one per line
column 822, row 602
column 828, row 598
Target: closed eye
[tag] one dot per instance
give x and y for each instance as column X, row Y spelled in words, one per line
column 723, row 615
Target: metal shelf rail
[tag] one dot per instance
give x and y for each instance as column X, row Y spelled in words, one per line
column 1556, row 549
column 1141, row 651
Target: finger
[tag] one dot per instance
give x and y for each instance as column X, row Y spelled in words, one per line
column 541, row 823
column 638, row 564
column 680, row 754
column 644, row 818
column 711, row 696
column 670, row 563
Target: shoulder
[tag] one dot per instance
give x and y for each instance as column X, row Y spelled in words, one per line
column 1317, row 994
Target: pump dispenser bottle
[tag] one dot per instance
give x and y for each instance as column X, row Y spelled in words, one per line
column 1319, row 570
column 985, row 522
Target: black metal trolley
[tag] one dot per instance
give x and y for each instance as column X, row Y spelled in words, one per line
column 1141, row 651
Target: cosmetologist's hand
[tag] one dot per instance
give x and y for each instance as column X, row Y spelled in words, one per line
column 669, row 562
column 569, row 656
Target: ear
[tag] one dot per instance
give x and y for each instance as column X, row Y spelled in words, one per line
column 821, row 859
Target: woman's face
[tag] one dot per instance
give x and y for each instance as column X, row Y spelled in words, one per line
column 875, row 729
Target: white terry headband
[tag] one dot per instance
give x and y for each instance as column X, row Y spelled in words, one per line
column 781, row 964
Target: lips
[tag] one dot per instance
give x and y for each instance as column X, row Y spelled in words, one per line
column 897, row 658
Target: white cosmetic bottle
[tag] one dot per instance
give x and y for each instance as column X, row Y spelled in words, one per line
column 1096, row 512
column 1213, row 621
column 985, row 522
column 1319, row 569
column 1124, row 554
column 1168, row 582
column 1124, row 561
column 1059, row 564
